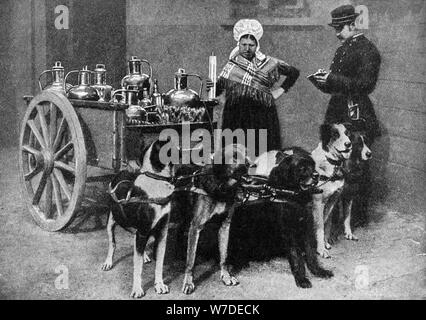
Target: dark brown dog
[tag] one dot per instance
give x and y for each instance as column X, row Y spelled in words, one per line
column 284, row 225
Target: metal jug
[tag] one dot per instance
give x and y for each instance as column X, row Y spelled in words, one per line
column 157, row 97
column 136, row 77
column 58, row 80
column 83, row 91
column 100, row 85
column 181, row 95
column 129, row 96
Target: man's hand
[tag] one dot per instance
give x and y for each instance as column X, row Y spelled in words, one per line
column 321, row 77
column 277, row 93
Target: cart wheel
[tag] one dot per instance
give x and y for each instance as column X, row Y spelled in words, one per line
column 52, row 160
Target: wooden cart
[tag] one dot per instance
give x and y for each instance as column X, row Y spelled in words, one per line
column 65, row 144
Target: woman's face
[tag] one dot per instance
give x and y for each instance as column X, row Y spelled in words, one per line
column 247, row 48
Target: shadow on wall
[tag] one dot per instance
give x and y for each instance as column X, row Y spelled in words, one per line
column 380, row 185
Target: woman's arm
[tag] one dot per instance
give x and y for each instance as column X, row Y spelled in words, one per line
column 291, row 73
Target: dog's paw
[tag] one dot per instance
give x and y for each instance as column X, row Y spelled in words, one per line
column 188, row 287
column 229, row 280
column 350, row 236
column 107, row 265
column 324, row 253
column 137, row 293
column 327, row 245
column 161, row 288
column 323, row 273
column 146, row 258
column 303, row 283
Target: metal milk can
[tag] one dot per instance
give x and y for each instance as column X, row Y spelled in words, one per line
column 104, row 90
column 83, row 91
column 181, row 95
column 58, row 80
column 136, row 77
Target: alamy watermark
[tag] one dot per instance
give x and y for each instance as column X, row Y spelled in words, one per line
column 211, row 147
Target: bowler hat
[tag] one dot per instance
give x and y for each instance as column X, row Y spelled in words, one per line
column 343, row 15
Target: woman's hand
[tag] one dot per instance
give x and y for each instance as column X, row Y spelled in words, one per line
column 277, row 93
column 209, row 84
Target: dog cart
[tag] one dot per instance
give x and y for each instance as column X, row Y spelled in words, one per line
column 67, row 143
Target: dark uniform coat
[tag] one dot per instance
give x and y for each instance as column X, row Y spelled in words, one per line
column 353, row 76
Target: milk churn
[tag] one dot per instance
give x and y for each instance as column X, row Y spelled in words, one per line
column 100, row 85
column 181, row 95
column 136, row 77
column 58, row 80
column 83, row 90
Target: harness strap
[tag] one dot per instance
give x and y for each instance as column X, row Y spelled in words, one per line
column 156, row 176
column 129, row 199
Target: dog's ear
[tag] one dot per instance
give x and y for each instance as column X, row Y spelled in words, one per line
column 349, row 126
column 143, row 149
column 358, row 125
column 281, row 174
column 325, row 134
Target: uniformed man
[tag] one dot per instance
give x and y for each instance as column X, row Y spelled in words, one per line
column 353, row 75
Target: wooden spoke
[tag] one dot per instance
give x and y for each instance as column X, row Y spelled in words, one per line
column 64, row 166
column 48, row 198
column 57, row 195
column 36, row 133
column 64, row 150
column 52, row 123
column 30, row 150
column 58, row 137
column 40, row 188
column 32, row 174
column 64, row 186
column 43, row 124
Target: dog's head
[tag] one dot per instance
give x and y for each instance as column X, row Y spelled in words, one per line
column 360, row 154
column 335, row 139
column 360, row 149
column 156, row 157
column 295, row 170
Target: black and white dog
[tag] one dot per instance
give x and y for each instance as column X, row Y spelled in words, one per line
column 334, row 148
column 140, row 203
column 355, row 175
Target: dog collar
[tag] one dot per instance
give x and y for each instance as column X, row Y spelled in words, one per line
column 158, row 176
column 334, row 162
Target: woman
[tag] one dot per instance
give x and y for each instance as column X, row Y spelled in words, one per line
column 246, row 82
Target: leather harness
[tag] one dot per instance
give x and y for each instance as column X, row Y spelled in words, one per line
column 259, row 190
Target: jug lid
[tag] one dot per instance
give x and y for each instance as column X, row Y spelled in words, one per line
column 58, row 65
column 134, row 59
column 100, row 68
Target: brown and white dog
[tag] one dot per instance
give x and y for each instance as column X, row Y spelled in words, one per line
column 148, row 215
column 335, row 147
column 354, row 168
column 215, row 192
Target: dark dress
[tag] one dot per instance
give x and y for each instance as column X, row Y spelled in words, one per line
column 251, row 107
